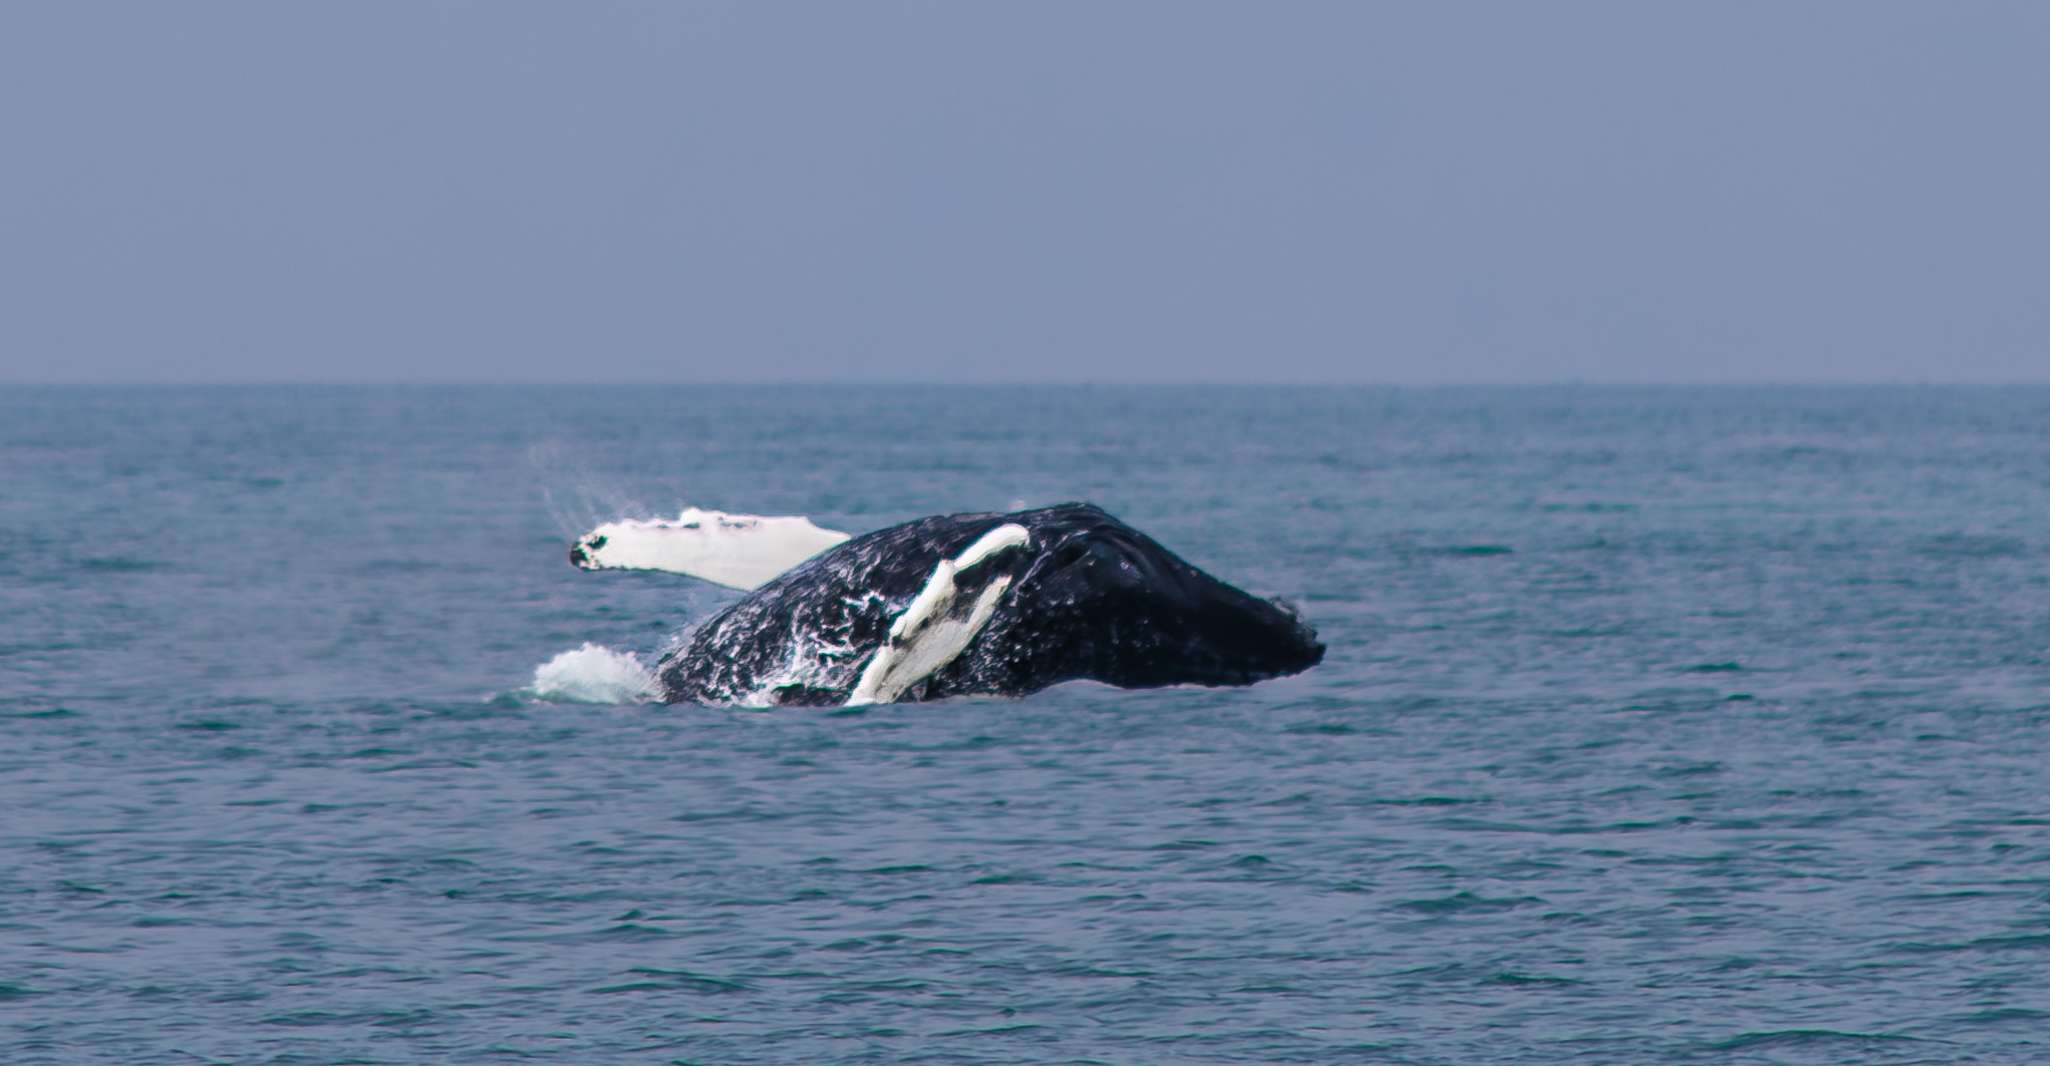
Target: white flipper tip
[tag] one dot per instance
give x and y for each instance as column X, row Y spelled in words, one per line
column 1002, row 538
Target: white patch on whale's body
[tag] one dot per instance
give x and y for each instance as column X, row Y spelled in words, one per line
column 736, row 550
column 931, row 631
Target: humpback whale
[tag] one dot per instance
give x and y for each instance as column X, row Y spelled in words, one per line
column 979, row 604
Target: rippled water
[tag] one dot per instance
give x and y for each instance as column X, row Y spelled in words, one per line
column 1658, row 725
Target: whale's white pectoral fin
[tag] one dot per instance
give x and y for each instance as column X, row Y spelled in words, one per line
column 931, row 601
column 930, row 633
column 1002, row 538
column 736, row 550
column 898, row 665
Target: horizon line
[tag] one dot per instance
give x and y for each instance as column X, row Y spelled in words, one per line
column 1114, row 383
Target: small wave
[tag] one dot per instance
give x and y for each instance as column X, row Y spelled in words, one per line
column 594, row 673
column 1789, row 1038
column 119, row 564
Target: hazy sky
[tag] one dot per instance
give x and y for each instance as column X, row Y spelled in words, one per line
column 1357, row 191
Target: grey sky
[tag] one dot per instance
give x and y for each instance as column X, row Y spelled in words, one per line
column 1076, row 191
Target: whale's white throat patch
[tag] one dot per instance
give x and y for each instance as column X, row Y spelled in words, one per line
column 739, row 551
column 935, row 628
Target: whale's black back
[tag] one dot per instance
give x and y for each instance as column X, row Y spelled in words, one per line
column 1090, row 597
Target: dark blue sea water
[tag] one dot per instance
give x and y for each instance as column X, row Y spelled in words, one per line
column 1658, row 725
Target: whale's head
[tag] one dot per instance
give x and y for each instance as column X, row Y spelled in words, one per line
column 1140, row 616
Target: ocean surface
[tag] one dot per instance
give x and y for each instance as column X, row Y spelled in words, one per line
column 1658, row 725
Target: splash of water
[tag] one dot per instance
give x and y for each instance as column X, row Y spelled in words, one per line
column 594, row 673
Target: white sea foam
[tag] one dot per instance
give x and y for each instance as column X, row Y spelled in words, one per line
column 594, row 673
column 737, row 550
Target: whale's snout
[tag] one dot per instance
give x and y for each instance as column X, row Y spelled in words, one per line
column 1294, row 643
column 1141, row 616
